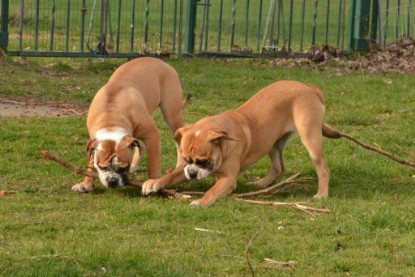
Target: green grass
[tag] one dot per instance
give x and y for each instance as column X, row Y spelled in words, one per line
column 48, row 230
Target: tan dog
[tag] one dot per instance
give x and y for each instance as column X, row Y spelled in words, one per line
column 229, row 143
column 120, row 124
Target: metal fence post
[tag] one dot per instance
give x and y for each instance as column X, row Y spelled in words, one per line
column 4, row 17
column 359, row 25
column 190, row 26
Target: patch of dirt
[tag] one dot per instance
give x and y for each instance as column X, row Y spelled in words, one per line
column 16, row 107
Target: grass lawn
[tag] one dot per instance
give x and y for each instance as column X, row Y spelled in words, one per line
column 48, row 230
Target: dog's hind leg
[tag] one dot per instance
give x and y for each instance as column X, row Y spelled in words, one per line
column 312, row 139
column 277, row 162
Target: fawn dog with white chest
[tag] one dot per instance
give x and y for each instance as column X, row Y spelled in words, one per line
column 120, row 124
column 230, row 142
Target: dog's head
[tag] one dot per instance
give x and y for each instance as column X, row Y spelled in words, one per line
column 201, row 148
column 114, row 160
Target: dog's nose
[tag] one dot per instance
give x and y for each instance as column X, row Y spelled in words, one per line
column 112, row 182
column 192, row 173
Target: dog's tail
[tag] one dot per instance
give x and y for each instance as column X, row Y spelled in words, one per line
column 186, row 100
column 329, row 132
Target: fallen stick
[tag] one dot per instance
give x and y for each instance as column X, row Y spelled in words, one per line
column 380, row 151
column 82, row 171
column 268, row 189
column 280, row 264
column 246, row 254
column 298, row 205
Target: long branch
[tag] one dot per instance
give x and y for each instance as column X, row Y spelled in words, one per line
column 81, row 171
column 371, row 148
column 268, row 189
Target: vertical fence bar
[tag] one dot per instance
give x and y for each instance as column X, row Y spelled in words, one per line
column 102, row 46
column 4, row 16
column 386, row 20
column 117, row 40
column 327, row 21
column 180, row 35
column 21, row 25
column 313, row 39
column 161, row 24
column 233, row 23
column 110, row 45
column 342, row 34
column 174, row 26
column 374, row 20
column 408, row 19
column 381, row 30
column 277, row 29
column 398, row 18
column 190, row 26
column 259, row 25
column 202, row 25
column 147, row 12
column 52, row 32
column 220, row 25
column 132, row 26
column 339, row 22
column 207, row 24
column 67, row 26
column 246, row 23
column 82, row 32
column 290, row 27
column 302, row 26
column 36, row 39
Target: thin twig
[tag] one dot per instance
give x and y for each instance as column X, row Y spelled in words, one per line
column 246, row 254
column 380, row 151
column 56, row 256
column 283, row 265
column 298, row 205
column 268, row 189
column 81, row 171
column 75, row 111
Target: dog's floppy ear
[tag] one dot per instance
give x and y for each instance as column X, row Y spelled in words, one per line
column 90, row 147
column 179, row 133
column 216, row 136
column 138, row 150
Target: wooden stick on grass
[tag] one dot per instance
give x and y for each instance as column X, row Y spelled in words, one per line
column 268, row 189
column 81, row 171
column 246, row 254
column 377, row 150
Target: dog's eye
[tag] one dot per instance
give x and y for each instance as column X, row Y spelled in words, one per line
column 104, row 168
column 202, row 163
column 188, row 160
column 123, row 170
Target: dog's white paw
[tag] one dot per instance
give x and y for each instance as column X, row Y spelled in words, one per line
column 151, row 186
column 318, row 196
column 81, row 187
column 195, row 203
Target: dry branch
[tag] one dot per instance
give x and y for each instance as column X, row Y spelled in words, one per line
column 81, row 171
column 246, row 254
column 283, row 265
column 298, row 205
column 268, row 189
column 380, row 151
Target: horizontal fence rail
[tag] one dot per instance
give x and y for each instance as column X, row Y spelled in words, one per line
column 130, row 28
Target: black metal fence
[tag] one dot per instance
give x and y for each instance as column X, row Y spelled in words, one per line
column 129, row 28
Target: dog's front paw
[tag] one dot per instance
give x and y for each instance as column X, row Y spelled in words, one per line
column 195, row 204
column 81, row 187
column 151, row 186
column 320, row 196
